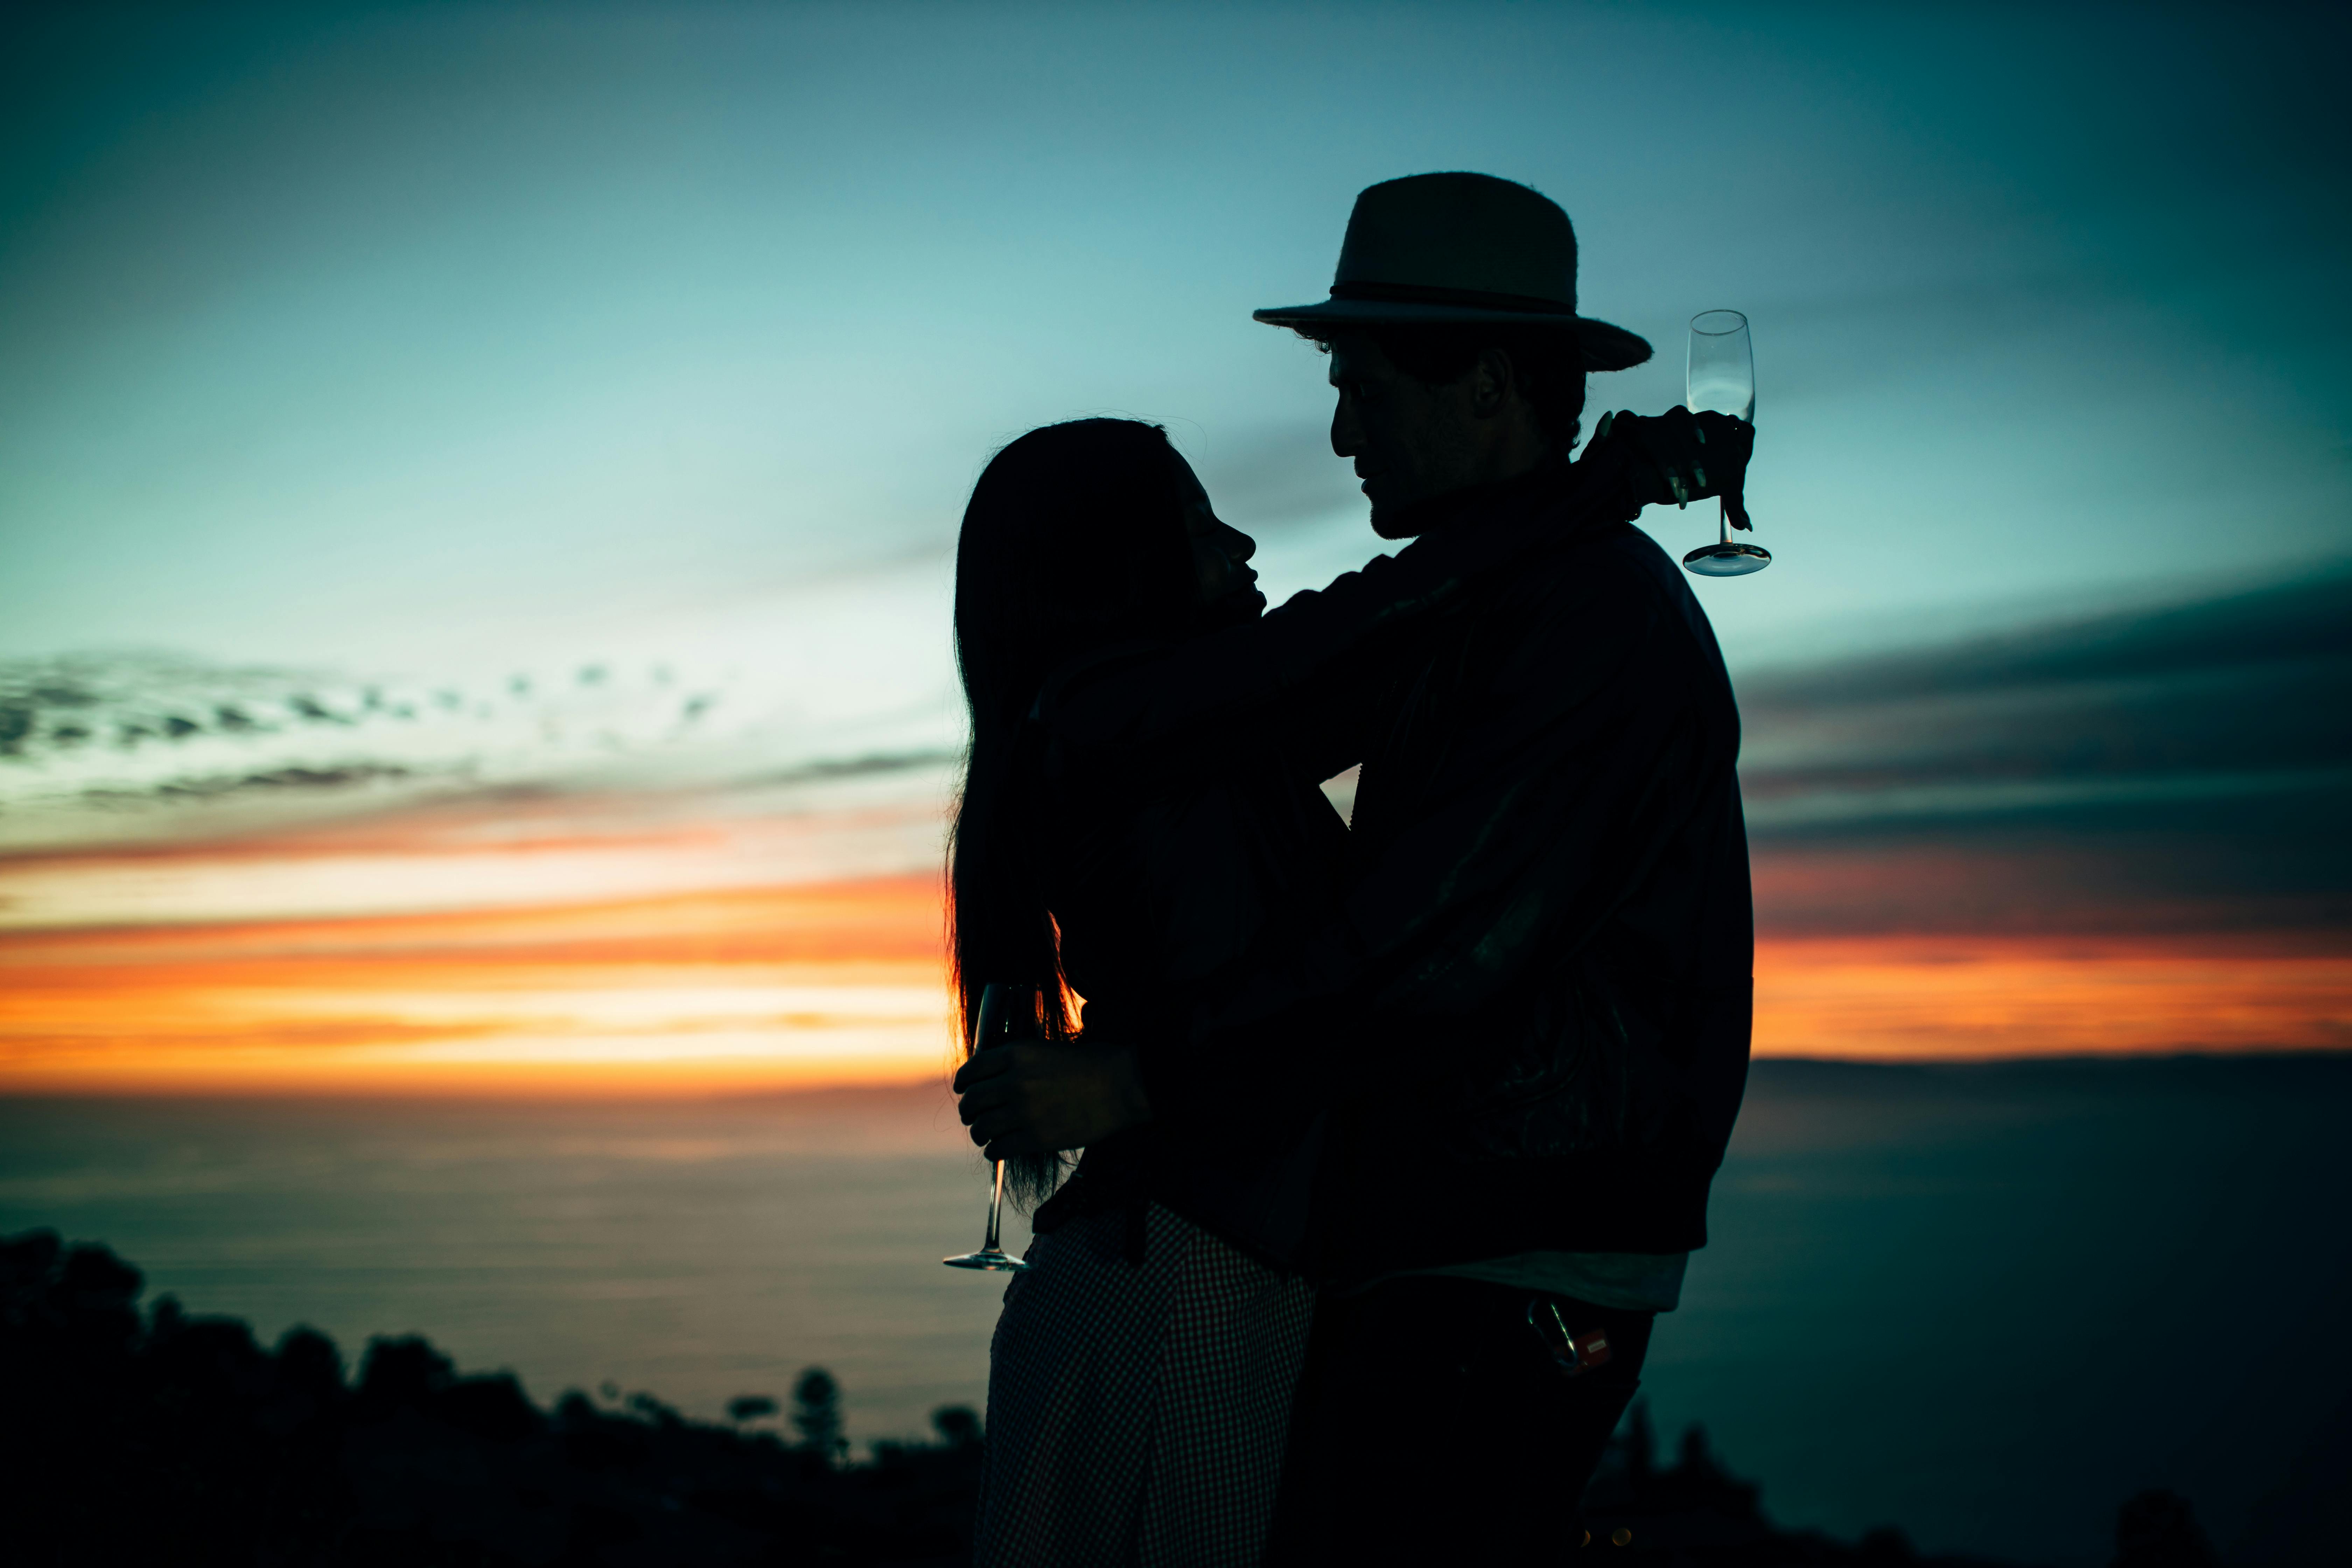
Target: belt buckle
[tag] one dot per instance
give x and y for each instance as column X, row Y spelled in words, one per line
column 1574, row 1353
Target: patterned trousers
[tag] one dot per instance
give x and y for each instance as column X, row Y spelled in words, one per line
column 1138, row 1414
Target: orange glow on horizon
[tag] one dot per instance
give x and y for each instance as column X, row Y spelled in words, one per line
column 778, row 988
column 1903, row 997
column 737, row 991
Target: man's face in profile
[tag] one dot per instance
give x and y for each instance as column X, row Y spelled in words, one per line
column 1410, row 440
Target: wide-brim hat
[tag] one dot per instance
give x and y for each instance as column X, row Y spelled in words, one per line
column 1460, row 250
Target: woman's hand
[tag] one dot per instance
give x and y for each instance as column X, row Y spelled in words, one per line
column 1034, row 1098
column 1685, row 457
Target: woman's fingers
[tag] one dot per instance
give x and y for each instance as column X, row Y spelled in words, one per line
column 987, row 1064
column 1006, row 1148
column 996, row 1095
column 987, row 1126
column 1676, row 486
column 996, row 1108
column 1043, row 1096
column 1000, row 1133
column 1694, row 454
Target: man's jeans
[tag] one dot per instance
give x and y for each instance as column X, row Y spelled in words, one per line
column 1434, row 1425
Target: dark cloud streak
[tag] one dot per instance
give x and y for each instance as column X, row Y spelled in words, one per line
column 2190, row 766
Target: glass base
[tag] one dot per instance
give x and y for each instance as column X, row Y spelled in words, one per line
column 987, row 1257
column 1728, row 560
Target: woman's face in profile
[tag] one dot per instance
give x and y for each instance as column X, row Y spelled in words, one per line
column 1221, row 555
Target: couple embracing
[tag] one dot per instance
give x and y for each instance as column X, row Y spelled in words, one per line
column 1397, row 1133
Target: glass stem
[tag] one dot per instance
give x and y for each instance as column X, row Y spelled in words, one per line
column 1723, row 523
column 996, row 1210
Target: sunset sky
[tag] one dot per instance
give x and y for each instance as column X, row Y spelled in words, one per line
column 477, row 481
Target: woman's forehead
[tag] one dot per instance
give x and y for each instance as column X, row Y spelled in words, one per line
column 1188, row 483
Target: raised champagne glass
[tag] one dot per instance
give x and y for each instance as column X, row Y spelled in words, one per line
column 1006, row 1013
column 1722, row 377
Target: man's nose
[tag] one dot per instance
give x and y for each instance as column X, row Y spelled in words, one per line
column 1239, row 546
column 1347, row 435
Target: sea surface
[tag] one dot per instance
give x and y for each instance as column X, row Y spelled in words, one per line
column 1982, row 1303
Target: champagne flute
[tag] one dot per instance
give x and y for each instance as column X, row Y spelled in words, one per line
column 1001, row 1012
column 1722, row 377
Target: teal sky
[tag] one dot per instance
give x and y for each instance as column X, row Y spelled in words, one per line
column 452, row 336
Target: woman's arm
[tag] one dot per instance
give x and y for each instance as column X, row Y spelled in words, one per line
column 1313, row 664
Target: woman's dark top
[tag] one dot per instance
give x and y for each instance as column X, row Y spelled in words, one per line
column 1169, row 864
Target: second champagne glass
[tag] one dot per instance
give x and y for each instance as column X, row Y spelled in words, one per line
column 1003, row 1010
column 1722, row 378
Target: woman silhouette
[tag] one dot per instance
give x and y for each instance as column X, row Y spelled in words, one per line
column 1141, row 1374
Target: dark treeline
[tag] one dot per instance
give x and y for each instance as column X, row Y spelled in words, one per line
column 179, row 1439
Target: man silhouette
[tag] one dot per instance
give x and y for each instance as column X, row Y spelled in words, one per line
column 1514, row 1059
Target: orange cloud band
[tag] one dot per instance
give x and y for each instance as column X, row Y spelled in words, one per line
column 735, row 990
column 776, row 988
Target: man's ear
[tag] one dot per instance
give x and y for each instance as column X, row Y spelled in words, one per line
column 1492, row 381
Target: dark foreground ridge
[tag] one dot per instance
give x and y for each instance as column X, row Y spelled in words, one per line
column 179, row 1439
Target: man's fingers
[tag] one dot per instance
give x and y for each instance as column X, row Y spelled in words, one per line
column 1735, row 512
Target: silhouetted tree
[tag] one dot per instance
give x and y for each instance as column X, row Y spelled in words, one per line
column 181, row 1440
column 816, row 1416
column 957, row 1425
column 1641, row 1445
column 1885, row 1545
column 1695, row 1460
column 2156, row 1530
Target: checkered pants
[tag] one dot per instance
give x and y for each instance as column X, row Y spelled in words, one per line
column 1137, row 1415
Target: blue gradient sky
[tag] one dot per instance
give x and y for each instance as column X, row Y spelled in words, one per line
column 443, row 337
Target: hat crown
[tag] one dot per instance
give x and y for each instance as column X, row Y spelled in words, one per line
column 1468, row 233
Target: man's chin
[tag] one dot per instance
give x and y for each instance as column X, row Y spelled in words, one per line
column 1408, row 520
column 1403, row 519
column 1233, row 609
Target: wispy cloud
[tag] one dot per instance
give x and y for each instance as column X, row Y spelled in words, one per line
column 2184, row 766
column 97, row 750
column 2244, row 692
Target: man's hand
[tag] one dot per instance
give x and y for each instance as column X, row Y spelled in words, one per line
column 1693, row 456
column 1034, row 1098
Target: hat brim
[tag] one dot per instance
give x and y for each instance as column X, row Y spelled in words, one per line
column 1606, row 347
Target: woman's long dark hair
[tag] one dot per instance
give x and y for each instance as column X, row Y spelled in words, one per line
column 1074, row 539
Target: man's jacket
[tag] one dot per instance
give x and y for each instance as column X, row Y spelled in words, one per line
column 1527, row 1027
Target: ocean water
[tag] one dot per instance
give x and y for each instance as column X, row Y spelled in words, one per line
column 1982, row 1303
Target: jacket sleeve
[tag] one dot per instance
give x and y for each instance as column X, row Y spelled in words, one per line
column 1311, row 665
column 1289, row 661
column 1593, row 744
